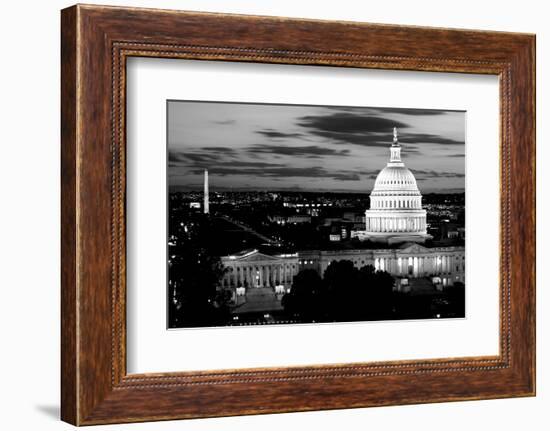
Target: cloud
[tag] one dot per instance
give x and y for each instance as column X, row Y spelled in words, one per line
column 243, row 164
column 200, row 156
column 422, row 175
column 176, row 158
column 225, row 150
column 410, row 111
column 409, row 141
column 364, row 139
column 363, row 127
column 348, row 127
column 410, row 149
column 384, row 111
column 198, row 161
column 274, row 134
column 310, row 151
column 347, row 122
column 354, row 139
column 275, row 171
column 426, row 138
column 224, row 122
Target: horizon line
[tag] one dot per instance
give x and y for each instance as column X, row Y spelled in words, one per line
column 294, row 190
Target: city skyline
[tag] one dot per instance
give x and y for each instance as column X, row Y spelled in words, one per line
column 253, row 147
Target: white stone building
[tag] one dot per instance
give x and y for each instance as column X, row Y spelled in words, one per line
column 443, row 266
column 395, row 213
column 252, row 269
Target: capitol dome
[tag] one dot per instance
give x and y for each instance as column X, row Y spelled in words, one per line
column 395, row 178
column 396, row 213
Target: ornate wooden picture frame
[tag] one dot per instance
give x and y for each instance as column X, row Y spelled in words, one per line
column 96, row 41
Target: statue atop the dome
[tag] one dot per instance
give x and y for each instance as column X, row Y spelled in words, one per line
column 395, row 151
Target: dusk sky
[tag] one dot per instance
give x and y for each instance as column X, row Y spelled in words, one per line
column 310, row 148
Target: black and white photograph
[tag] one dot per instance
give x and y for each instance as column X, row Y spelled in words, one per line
column 304, row 214
column 273, row 215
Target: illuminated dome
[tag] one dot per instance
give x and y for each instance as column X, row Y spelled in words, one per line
column 395, row 213
column 395, row 178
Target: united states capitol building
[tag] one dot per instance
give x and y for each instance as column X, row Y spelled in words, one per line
column 395, row 214
column 395, row 220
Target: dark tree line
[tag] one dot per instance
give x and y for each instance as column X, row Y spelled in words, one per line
column 345, row 293
column 194, row 272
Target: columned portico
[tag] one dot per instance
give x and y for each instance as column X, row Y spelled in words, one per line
column 252, row 269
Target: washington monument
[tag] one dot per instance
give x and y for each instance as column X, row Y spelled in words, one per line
column 206, row 203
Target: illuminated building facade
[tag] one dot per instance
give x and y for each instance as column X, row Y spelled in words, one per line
column 395, row 213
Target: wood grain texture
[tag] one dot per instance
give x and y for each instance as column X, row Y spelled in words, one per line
column 96, row 41
column 69, row 397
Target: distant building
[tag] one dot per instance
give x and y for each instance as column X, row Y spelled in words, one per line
column 290, row 219
column 340, row 230
column 335, row 235
column 452, row 231
column 358, row 218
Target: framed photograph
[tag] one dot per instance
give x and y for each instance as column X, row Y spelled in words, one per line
column 263, row 214
column 289, row 234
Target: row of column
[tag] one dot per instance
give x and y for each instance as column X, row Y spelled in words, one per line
column 282, row 274
column 397, row 203
column 386, row 224
column 444, row 263
column 415, row 266
column 259, row 276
